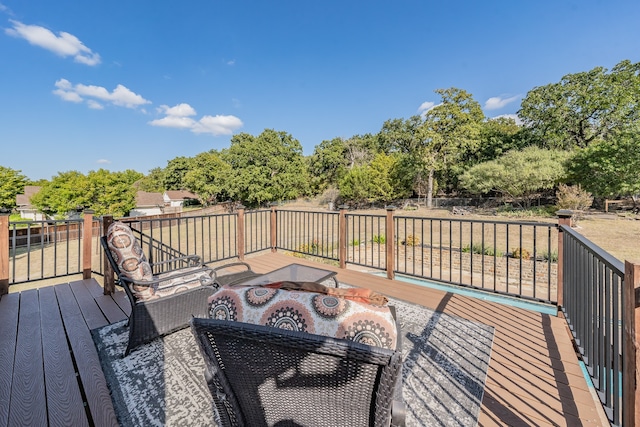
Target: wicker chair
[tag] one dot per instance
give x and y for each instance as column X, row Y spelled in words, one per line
column 165, row 302
column 264, row 376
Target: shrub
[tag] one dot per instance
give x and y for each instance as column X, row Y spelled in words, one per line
column 550, row 256
column 313, row 247
column 477, row 248
column 411, row 240
column 521, row 253
column 379, row 239
column 355, row 242
column 573, row 197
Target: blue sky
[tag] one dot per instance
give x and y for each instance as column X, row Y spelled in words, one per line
column 132, row 84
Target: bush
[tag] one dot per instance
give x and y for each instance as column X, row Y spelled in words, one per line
column 550, row 256
column 379, row 239
column 573, row 197
column 521, row 253
column 411, row 240
column 477, row 248
column 355, row 242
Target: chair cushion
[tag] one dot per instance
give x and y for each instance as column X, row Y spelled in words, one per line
column 168, row 284
column 311, row 312
column 129, row 258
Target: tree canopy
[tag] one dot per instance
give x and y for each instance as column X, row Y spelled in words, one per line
column 584, row 107
column 517, row 174
column 609, row 168
column 266, row 168
column 12, row 183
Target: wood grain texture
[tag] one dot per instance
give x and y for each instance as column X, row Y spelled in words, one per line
column 90, row 309
column 64, row 400
column 88, row 365
column 9, row 305
column 28, row 402
column 110, row 309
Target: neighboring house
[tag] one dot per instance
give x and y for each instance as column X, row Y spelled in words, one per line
column 24, row 206
column 148, row 204
column 177, row 198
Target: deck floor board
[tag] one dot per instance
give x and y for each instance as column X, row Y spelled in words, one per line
column 533, row 379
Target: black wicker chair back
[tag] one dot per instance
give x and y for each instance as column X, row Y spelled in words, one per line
column 264, row 376
column 152, row 318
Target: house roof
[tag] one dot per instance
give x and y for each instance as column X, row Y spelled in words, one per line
column 180, row 195
column 145, row 198
column 24, row 200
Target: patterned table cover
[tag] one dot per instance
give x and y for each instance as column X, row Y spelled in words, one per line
column 310, row 312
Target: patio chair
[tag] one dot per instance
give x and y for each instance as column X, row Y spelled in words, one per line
column 264, row 376
column 160, row 303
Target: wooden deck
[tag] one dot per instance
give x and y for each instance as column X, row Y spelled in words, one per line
column 50, row 373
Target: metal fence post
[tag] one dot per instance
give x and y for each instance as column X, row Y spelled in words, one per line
column 87, row 239
column 342, row 236
column 274, row 229
column 630, row 392
column 108, row 284
column 240, row 231
column 4, row 253
column 564, row 218
column 390, row 243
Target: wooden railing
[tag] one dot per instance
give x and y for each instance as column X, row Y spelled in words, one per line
column 597, row 294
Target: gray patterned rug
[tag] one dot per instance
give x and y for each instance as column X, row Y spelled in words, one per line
column 162, row 383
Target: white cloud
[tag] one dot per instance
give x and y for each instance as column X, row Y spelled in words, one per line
column 179, row 116
column 497, row 102
column 103, row 161
column 94, row 105
column 180, row 110
column 64, row 44
column 426, row 107
column 120, row 96
column 217, row 125
column 174, row 122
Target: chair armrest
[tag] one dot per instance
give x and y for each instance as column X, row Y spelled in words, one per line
column 194, row 261
column 156, row 280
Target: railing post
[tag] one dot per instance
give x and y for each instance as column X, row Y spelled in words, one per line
column 564, row 218
column 87, row 240
column 274, row 228
column 108, row 285
column 4, row 253
column 240, row 230
column 631, row 300
column 342, row 236
column 390, row 243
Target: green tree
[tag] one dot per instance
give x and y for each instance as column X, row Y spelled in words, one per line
column 518, row 174
column 497, row 136
column 584, row 107
column 328, row 164
column 12, row 183
column 609, row 169
column 102, row 191
column 355, row 186
column 153, row 182
column 64, row 193
column 266, row 168
column 175, row 171
column 111, row 192
column 386, row 183
column 207, row 178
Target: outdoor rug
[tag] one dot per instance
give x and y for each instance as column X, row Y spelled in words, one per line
column 162, row 383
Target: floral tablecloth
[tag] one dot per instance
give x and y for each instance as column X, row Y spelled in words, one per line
column 310, row 312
